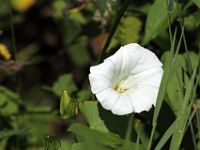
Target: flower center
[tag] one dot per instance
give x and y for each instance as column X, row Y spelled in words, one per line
column 122, row 87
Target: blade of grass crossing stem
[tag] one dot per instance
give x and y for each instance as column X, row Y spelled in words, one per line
column 166, row 136
column 113, row 28
column 182, row 118
column 163, row 86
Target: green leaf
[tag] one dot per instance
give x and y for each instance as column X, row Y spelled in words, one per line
column 70, row 30
column 88, row 146
column 85, row 134
column 38, row 125
column 77, row 16
column 130, row 146
column 90, row 112
column 183, row 115
column 9, row 101
column 192, row 21
column 64, row 82
column 65, row 144
column 91, row 138
column 157, row 20
column 79, row 53
column 78, row 146
column 197, row 2
column 7, row 133
column 58, row 7
column 176, row 82
column 173, row 89
column 12, row 95
column 128, row 30
column 83, row 95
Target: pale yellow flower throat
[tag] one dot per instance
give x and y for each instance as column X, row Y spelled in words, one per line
column 122, row 87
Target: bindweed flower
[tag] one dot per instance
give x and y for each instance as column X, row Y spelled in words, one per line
column 127, row 81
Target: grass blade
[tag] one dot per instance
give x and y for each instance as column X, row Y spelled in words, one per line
column 182, row 118
column 163, row 87
column 113, row 28
column 166, row 136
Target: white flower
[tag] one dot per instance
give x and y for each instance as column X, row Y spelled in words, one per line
column 127, row 81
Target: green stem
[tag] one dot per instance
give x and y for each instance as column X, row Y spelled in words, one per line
column 12, row 30
column 129, row 127
column 113, row 28
column 152, row 135
column 170, row 29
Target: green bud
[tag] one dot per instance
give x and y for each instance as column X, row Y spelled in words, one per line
column 68, row 107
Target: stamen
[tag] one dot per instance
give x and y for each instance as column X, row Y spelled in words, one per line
column 122, row 87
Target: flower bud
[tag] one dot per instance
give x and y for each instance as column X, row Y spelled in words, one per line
column 68, row 107
column 4, row 52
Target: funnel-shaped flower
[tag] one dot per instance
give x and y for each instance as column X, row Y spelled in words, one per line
column 127, row 81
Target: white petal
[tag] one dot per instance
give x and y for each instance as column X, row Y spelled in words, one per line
column 123, row 105
column 99, row 83
column 126, row 58
column 148, row 61
column 104, row 69
column 107, row 98
column 101, row 76
column 150, row 77
column 140, row 102
column 150, row 92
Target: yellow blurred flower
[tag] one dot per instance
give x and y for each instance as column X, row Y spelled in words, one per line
column 22, row 5
column 4, row 52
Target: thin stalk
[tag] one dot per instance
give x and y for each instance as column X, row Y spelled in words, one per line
column 193, row 136
column 198, row 123
column 170, row 29
column 138, row 142
column 152, row 135
column 189, row 63
column 12, row 30
column 113, row 28
column 129, row 127
column 166, row 76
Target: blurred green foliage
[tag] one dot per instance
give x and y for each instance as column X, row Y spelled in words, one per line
column 57, row 41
